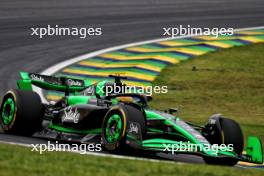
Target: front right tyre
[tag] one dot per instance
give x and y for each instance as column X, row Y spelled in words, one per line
column 224, row 131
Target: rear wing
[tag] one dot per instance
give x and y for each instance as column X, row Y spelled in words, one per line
column 62, row 84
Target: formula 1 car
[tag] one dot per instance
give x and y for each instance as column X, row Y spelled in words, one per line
column 119, row 121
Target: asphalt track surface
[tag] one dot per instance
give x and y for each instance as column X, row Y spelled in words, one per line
column 122, row 22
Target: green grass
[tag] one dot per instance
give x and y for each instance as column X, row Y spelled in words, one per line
column 229, row 81
column 20, row 161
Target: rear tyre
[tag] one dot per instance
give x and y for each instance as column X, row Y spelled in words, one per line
column 116, row 125
column 21, row 112
column 227, row 132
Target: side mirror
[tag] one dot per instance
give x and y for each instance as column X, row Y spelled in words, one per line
column 173, row 110
column 149, row 98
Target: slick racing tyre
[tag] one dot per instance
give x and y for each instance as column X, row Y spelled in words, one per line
column 224, row 131
column 21, row 112
column 118, row 122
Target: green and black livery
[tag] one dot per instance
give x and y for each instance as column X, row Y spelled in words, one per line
column 119, row 121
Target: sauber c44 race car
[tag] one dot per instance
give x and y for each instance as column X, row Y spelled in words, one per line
column 119, row 121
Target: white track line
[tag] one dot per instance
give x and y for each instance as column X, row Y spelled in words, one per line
column 99, row 154
column 115, row 156
column 55, row 68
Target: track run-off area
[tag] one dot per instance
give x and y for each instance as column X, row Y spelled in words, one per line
column 142, row 62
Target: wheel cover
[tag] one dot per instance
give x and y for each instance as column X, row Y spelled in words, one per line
column 8, row 111
column 113, row 128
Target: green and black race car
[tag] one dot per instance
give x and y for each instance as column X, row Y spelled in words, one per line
column 119, row 121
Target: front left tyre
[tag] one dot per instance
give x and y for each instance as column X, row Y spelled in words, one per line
column 116, row 124
column 21, row 112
